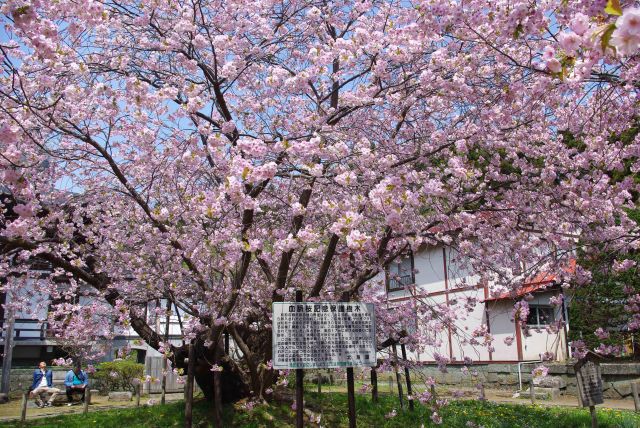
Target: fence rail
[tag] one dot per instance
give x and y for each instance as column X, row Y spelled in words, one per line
column 27, row 329
column 399, row 282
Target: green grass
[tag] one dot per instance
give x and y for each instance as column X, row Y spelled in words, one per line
column 333, row 408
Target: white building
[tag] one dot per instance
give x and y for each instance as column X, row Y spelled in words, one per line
column 33, row 340
column 439, row 280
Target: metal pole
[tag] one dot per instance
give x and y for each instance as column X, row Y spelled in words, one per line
column 407, row 376
column 299, row 384
column 351, row 393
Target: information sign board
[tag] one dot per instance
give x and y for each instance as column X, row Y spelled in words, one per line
column 589, row 382
column 323, row 334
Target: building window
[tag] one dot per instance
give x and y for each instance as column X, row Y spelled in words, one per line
column 399, row 273
column 540, row 315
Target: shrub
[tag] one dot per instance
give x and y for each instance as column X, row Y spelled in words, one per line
column 119, row 375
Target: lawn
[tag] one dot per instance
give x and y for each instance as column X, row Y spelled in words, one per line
column 463, row 414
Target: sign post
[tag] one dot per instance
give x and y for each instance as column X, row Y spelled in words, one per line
column 316, row 335
column 589, row 380
column 299, row 384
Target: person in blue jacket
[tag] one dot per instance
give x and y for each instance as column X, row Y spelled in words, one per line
column 76, row 382
column 43, row 385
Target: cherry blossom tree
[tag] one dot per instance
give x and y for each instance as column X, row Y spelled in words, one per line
column 223, row 154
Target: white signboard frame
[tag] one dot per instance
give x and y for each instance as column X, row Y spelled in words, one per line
column 309, row 335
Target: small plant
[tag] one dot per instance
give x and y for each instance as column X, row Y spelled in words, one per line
column 119, row 375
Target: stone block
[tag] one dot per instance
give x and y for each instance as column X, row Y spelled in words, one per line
column 508, row 380
column 452, row 378
column 550, row 382
column 622, row 388
column 557, row 369
column 542, row 393
column 620, row 369
column 120, row 396
column 501, row 368
column 61, row 398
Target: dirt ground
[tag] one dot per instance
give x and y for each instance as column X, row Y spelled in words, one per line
column 11, row 410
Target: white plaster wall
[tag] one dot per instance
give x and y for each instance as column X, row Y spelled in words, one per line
column 466, row 324
column 501, row 328
column 430, row 266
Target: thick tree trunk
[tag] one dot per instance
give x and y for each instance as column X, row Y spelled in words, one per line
column 233, row 385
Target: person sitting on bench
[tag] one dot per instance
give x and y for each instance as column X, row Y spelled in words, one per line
column 43, row 385
column 76, row 381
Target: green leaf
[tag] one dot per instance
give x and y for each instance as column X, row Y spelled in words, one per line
column 613, row 7
column 518, row 32
column 20, row 11
column 606, row 36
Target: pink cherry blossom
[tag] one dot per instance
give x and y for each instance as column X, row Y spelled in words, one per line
column 570, row 42
column 580, row 23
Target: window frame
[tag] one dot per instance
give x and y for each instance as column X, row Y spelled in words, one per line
column 537, row 308
column 388, row 279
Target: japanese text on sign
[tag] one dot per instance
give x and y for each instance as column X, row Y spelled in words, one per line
column 323, row 334
column 589, row 383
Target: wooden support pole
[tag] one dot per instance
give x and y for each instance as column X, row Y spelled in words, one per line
column 636, row 398
column 165, row 362
column 483, row 397
column 217, row 400
column 374, row 385
column 25, row 399
column 390, row 384
column 299, row 384
column 188, row 408
column 433, row 393
column 217, row 384
column 138, row 392
column 594, row 419
column 532, row 392
column 87, row 399
column 351, row 395
column 8, row 352
column 407, row 376
column 398, row 380
column 319, row 379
